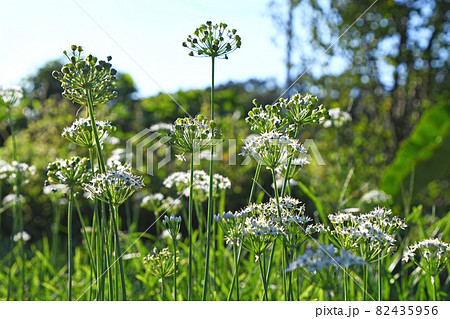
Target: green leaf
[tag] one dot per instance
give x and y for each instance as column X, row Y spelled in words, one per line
column 425, row 150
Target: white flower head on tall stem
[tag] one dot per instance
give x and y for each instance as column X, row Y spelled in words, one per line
column 430, row 254
column 194, row 135
column 71, row 172
column 323, row 258
column 81, row 133
column 10, row 94
column 337, row 118
column 114, row 186
column 272, row 149
column 16, row 173
column 303, row 109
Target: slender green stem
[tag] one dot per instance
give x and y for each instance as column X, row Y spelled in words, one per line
column 236, row 270
column 16, row 208
column 254, row 182
column 115, row 217
column 263, row 277
column 162, row 289
column 290, row 290
column 366, row 280
column 211, row 197
column 191, row 202
column 94, row 130
column 433, row 283
column 379, row 277
column 13, row 137
column 175, row 268
column 69, row 239
column 345, row 284
column 274, row 242
column 288, row 168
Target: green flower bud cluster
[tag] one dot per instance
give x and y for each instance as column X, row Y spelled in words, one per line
column 70, row 172
column 84, row 76
column 213, row 41
column 190, row 135
column 160, row 263
column 172, row 224
column 266, row 119
column 303, row 109
column 285, row 116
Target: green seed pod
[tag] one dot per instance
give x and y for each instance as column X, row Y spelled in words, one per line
column 65, row 70
column 113, row 72
column 184, row 44
column 73, row 47
column 109, row 58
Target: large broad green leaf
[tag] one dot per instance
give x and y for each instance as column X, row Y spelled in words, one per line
column 426, row 150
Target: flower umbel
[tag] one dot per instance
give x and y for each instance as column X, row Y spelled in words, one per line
column 325, row 257
column 9, row 94
column 70, row 172
column 160, row 263
column 433, row 252
column 303, row 109
column 86, row 78
column 80, row 132
column 16, row 173
column 272, row 149
column 193, row 135
column 115, row 185
column 213, row 40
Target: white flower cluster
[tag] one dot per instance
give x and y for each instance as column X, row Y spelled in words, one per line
column 323, row 258
column 193, row 135
column 16, row 173
column 118, row 156
column 160, row 263
column 116, row 185
column 337, row 118
column 161, row 127
column 80, row 132
column 374, row 230
column 272, row 149
column 158, row 203
column 257, row 225
column 10, row 94
column 180, row 181
column 11, row 199
column 375, row 197
column 22, row 235
column 433, row 250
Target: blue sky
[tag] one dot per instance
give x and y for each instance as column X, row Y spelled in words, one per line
column 143, row 37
